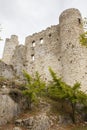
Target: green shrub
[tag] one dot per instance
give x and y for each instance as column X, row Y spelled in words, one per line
column 34, row 87
column 83, row 39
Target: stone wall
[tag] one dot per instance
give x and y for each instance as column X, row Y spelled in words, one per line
column 43, row 51
column 18, row 60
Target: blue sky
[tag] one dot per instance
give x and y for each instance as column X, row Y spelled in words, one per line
column 25, row 17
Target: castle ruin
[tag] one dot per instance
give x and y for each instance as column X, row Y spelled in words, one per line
column 57, row 47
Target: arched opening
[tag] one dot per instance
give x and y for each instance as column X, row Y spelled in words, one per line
column 33, row 43
column 32, row 57
column 41, row 40
column 79, row 20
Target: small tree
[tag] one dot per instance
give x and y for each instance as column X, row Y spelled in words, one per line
column 83, row 39
column 83, row 36
column 60, row 90
column 34, row 88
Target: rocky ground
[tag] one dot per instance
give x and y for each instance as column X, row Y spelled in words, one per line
column 44, row 115
column 40, row 119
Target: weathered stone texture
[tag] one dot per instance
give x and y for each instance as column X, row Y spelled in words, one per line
column 38, row 122
column 73, row 54
column 9, row 48
column 12, row 103
column 8, row 108
column 6, row 71
column 18, row 60
column 57, row 47
column 46, row 51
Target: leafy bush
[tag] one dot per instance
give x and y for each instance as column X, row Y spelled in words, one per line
column 83, row 39
column 34, row 87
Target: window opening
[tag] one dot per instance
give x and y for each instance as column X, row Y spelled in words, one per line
column 50, row 35
column 33, row 58
column 41, row 40
column 79, row 20
column 33, row 44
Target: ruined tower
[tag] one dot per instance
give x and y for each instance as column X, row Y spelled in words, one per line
column 57, row 47
column 9, row 48
column 18, row 60
column 73, row 54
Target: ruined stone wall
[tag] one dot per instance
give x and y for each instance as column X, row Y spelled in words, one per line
column 74, row 55
column 57, row 47
column 18, row 60
column 9, row 48
column 43, row 51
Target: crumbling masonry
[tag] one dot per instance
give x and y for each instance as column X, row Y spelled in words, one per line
column 57, row 46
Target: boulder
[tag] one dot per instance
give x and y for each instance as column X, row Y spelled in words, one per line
column 6, row 71
column 8, row 108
